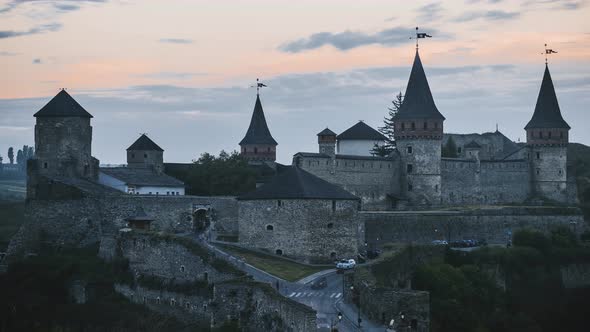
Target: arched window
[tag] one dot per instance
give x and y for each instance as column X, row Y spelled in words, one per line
column 279, row 252
column 44, row 165
column 269, row 227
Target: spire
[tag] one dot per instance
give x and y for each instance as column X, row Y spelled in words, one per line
column 258, row 132
column 547, row 113
column 144, row 143
column 418, row 102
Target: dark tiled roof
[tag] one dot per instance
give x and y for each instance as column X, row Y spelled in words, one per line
column 472, row 145
column 89, row 188
column 361, row 131
column 296, row 183
column 547, row 113
column 144, row 143
column 140, row 215
column 258, row 132
column 141, row 177
column 342, row 156
column 418, row 102
column 62, row 105
column 326, row 132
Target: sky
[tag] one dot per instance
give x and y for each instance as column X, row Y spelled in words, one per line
column 181, row 71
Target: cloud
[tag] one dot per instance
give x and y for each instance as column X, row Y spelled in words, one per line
column 557, row 4
column 4, row 53
column 176, row 41
column 61, row 5
column 347, row 40
column 430, row 12
column 490, row 15
column 36, row 30
column 36, row 61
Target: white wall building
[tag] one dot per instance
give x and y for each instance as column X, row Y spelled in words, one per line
column 358, row 140
column 142, row 181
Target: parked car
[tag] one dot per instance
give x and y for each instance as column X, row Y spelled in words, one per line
column 346, row 264
column 440, row 242
column 319, row 283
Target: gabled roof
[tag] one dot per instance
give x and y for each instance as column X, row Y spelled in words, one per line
column 326, row 132
column 472, row 145
column 140, row 215
column 62, row 105
column 361, row 131
column 547, row 113
column 418, row 102
column 295, row 183
column 258, row 132
column 141, row 177
column 144, row 143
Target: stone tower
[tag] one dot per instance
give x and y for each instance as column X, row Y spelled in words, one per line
column 63, row 140
column 418, row 131
column 547, row 140
column 144, row 153
column 327, row 142
column 258, row 146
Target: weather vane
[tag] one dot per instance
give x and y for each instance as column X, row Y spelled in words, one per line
column 420, row 35
column 547, row 52
column 258, row 86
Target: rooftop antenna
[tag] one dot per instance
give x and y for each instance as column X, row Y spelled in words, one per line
column 547, row 52
column 258, row 86
column 420, row 35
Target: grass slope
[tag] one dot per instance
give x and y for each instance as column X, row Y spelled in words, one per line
column 11, row 217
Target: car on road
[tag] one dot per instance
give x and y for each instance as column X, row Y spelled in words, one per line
column 440, row 242
column 319, row 283
column 345, row 264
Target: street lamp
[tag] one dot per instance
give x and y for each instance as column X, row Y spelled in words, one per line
column 333, row 323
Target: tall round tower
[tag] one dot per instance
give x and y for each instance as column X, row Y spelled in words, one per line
column 63, row 139
column 547, row 140
column 418, row 131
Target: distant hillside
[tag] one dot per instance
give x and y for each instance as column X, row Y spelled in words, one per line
column 579, row 157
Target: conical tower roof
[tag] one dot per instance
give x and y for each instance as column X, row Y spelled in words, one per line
column 418, row 102
column 547, row 113
column 63, row 105
column 144, row 143
column 258, row 132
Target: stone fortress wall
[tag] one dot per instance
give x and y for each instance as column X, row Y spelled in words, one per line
column 301, row 227
column 371, row 179
column 474, row 182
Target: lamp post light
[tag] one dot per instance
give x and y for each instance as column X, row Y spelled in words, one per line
column 335, row 323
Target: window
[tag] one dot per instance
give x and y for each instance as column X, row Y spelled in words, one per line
column 133, row 155
column 409, row 150
column 330, row 225
column 409, row 168
column 172, row 302
column 150, row 192
column 182, row 268
column 44, row 165
column 538, row 171
column 188, row 305
column 177, row 193
column 145, row 155
column 425, row 125
column 269, row 227
column 459, row 149
column 158, row 300
column 560, row 172
column 538, row 155
column 167, row 193
column 278, row 252
column 436, row 188
column 403, row 126
column 549, row 134
column 333, row 206
column 413, row 126
column 279, row 203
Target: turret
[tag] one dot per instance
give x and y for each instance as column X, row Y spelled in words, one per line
column 327, row 142
column 547, row 140
column 145, row 153
column 63, row 140
column 418, row 132
column 258, row 145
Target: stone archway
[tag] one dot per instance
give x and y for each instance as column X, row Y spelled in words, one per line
column 200, row 220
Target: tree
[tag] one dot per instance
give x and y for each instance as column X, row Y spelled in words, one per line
column 388, row 129
column 19, row 157
column 450, row 149
column 11, row 155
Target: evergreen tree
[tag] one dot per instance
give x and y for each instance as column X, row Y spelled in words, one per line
column 388, row 129
column 19, row 157
column 450, row 149
column 11, row 155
